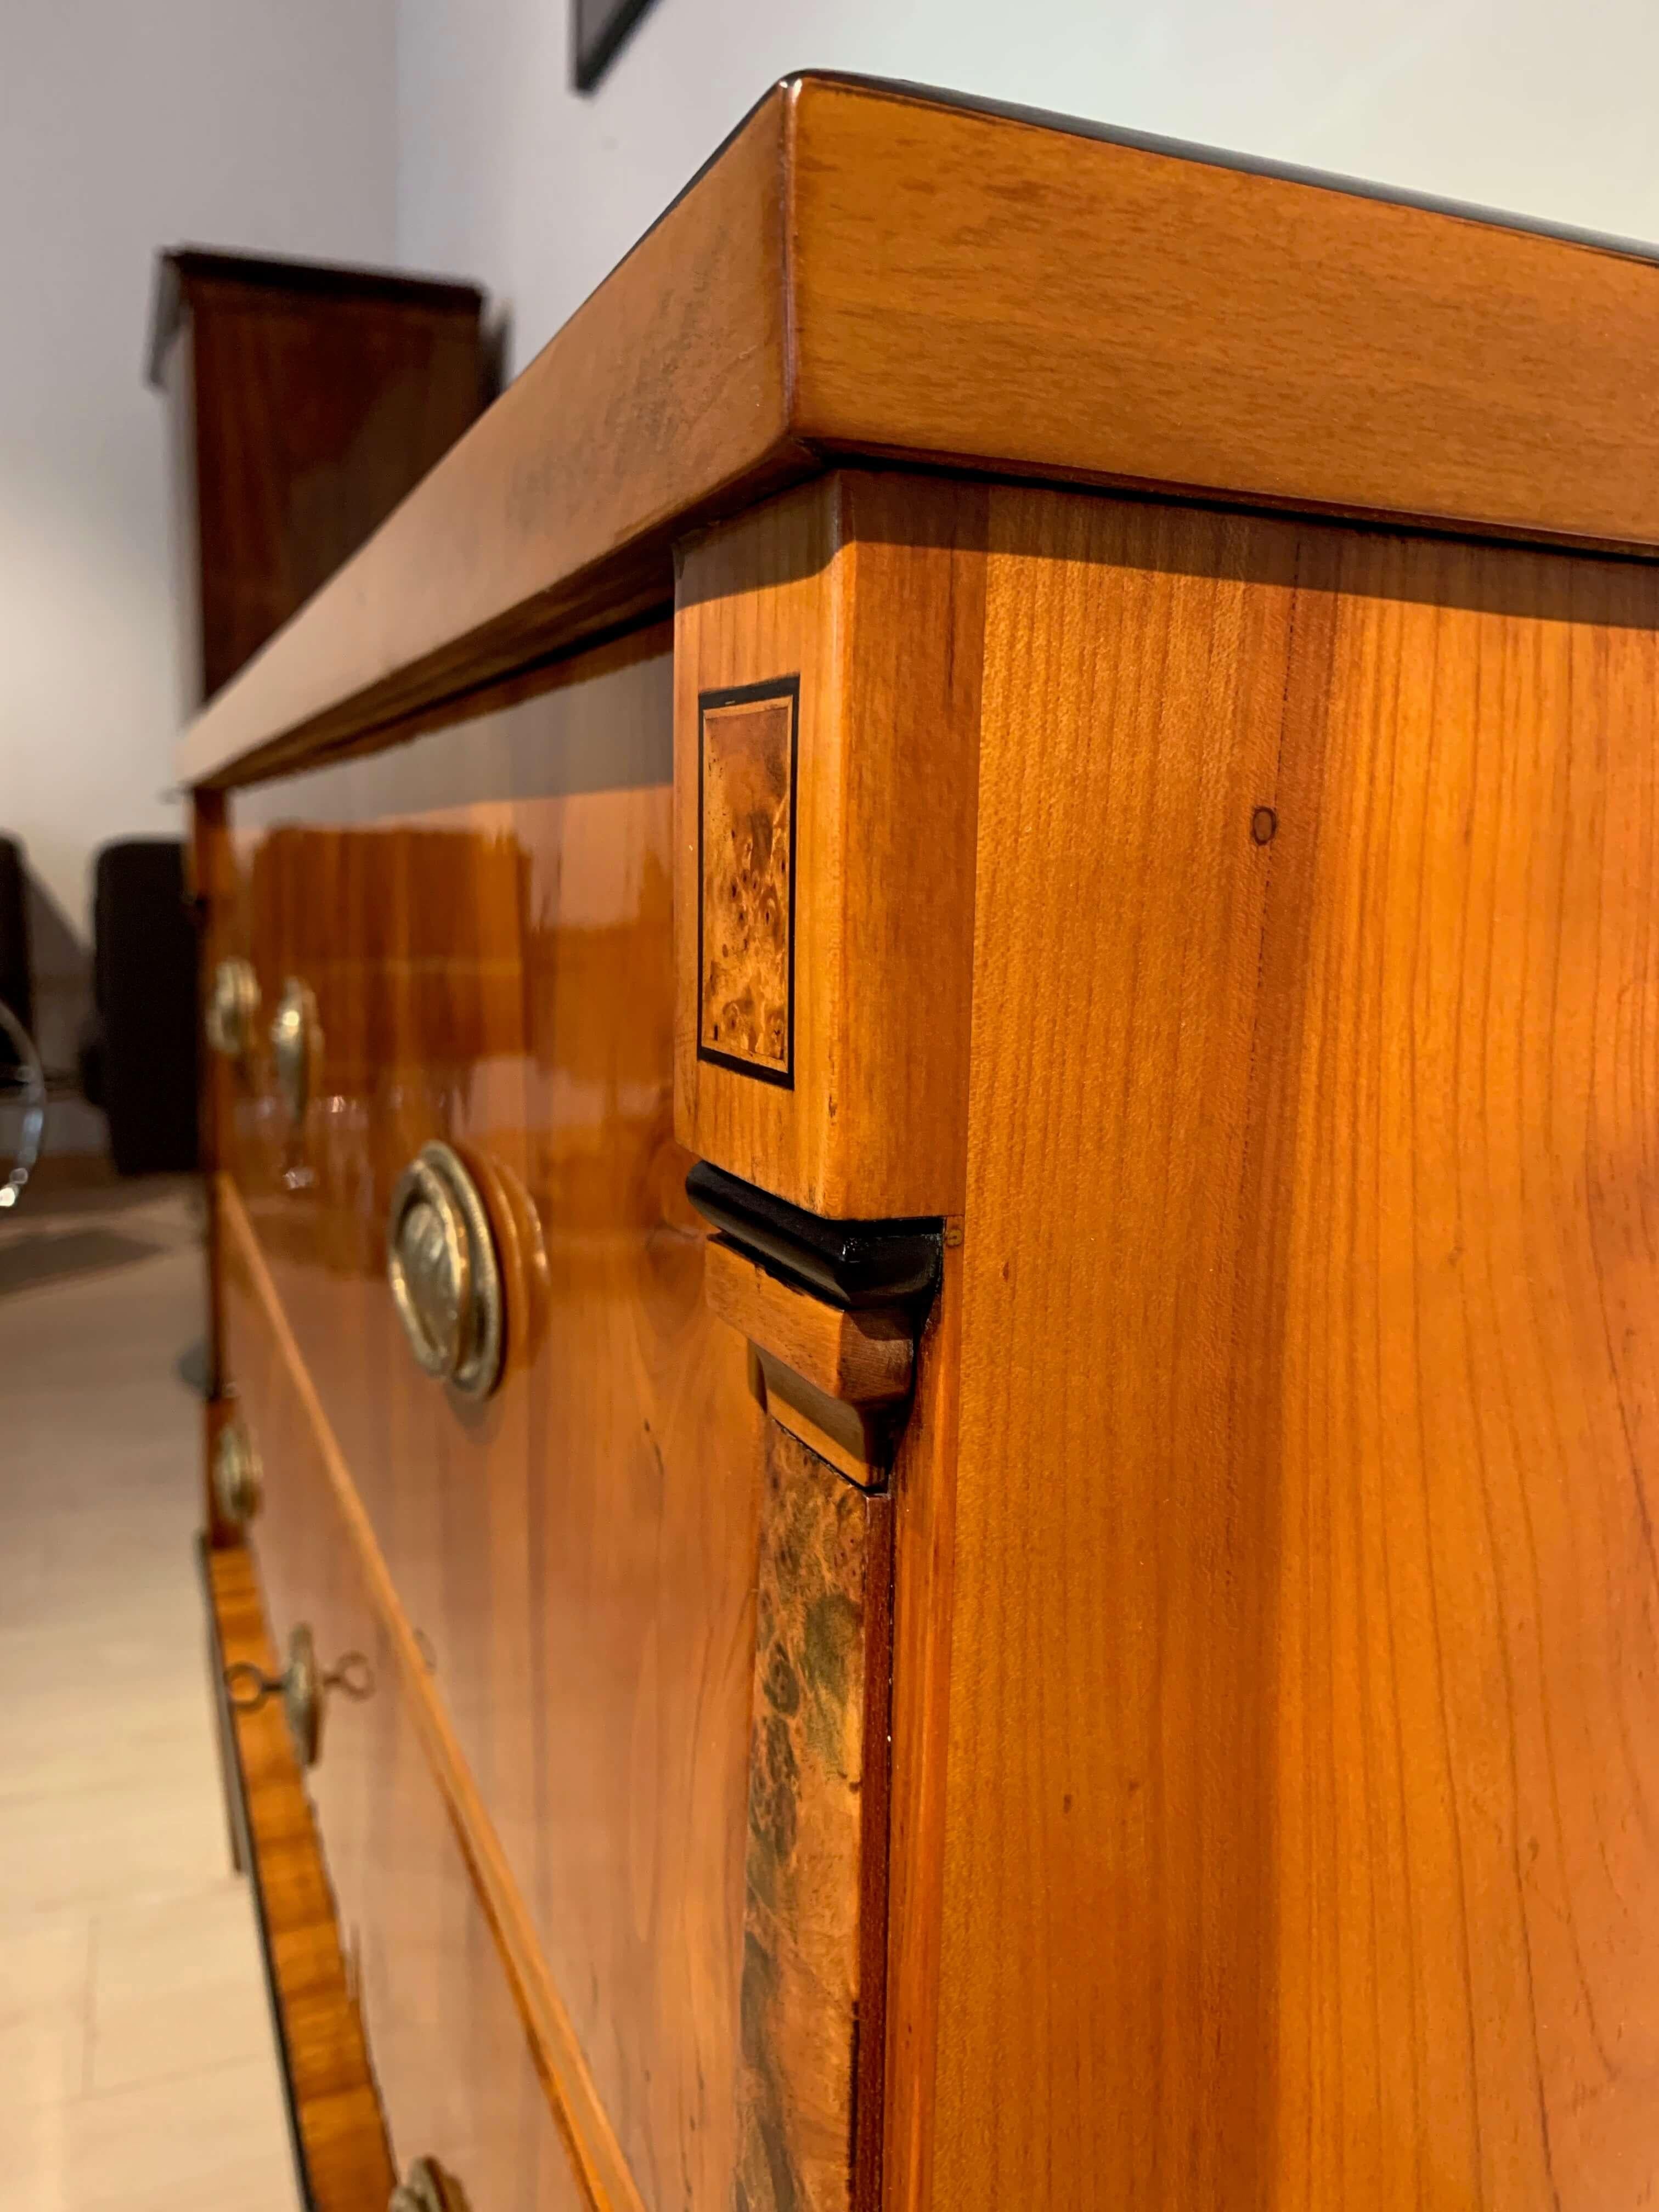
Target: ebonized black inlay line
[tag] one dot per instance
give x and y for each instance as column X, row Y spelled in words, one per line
column 847, row 1263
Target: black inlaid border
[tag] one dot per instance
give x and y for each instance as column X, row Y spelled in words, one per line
column 846, row 1263
column 749, row 694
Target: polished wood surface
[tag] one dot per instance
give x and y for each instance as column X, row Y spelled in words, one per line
column 815, row 1886
column 924, row 1566
column 868, row 269
column 453, row 2054
column 866, row 1355
column 334, row 2106
column 485, row 919
column 868, row 591
column 980, row 289
column 1298, row 1849
column 305, row 402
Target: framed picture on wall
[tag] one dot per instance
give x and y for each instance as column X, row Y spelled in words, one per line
column 599, row 28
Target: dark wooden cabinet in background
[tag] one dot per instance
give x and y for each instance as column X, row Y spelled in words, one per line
column 304, row 401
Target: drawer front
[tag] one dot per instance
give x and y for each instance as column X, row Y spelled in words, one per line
column 448, row 2049
column 482, row 917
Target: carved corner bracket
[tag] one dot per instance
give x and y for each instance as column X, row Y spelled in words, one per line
column 833, row 1310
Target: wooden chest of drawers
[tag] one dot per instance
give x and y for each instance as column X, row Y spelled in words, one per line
column 967, row 906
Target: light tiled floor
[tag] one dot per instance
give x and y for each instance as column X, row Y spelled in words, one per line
column 138, row 2069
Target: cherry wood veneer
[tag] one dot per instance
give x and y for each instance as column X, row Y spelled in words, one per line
column 1222, row 939
column 578, row 1554
column 1304, row 1643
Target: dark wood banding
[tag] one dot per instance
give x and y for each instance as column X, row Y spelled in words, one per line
column 748, row 747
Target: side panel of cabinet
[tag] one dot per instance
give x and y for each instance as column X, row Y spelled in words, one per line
column 1299, row 1846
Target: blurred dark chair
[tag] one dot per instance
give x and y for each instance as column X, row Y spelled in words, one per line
column 22, row 1082
column 139, row 1055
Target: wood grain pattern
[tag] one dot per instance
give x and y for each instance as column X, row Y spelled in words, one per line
column 869, row 590
column 969, row 287
column 865, row 1355
column 337, row 2113
column 1322, row 1781
column 814, row 1920
column 746, row 854
column 485, row 920
column 1463, row 1262
column 863, row 270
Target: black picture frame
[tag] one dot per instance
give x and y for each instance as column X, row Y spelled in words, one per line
column 597, row 28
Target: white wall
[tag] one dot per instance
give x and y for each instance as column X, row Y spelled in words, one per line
column 126, row 125
column 1531, row 105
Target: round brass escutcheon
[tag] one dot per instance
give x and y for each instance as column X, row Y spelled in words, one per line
column 444, row 1277
column 300, row 1686
column 296, row 1046
column 232, row 1009
column 238, row 1478
column 428, row 2188
column 302, row 1697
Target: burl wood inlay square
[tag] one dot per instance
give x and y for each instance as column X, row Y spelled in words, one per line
column 747, row 742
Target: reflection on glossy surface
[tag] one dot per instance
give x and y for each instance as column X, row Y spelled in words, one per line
column 444, row 1273
column 580, row 1548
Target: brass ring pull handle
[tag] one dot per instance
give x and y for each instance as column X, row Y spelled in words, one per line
column 444, row 1278
column 238, row 1476
column 428, row 2188
column 296, row 1046
column 232, row 1009
column 301, row 1687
